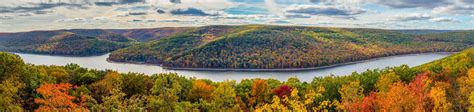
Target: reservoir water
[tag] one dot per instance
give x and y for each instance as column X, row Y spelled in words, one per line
column 100, row 63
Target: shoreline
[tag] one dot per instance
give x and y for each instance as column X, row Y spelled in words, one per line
column 273, row 70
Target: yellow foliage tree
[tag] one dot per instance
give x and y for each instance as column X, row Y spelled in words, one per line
column 351, row 95
column 438, row 95
column 466, row 86
column 471, row 100
column 386, row 80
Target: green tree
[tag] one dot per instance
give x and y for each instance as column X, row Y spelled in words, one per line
column 11, row 65
column 165, row 91
column 224, row 97
column 105, row 86
column 9, row 98
column 136, row 84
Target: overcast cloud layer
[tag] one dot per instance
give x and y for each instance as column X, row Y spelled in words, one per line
column 28, row 15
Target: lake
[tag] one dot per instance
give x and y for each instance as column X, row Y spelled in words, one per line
column 100, row 63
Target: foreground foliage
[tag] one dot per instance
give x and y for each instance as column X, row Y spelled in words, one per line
column 443, row 85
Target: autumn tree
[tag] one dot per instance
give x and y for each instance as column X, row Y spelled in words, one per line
column 466, row 86
column 369, row 103
column 282, row 91
column 200, row 90
column 397, row 98
column 385, row 80
column 439, row 97
column 260, row 92
column 242, row 90
column 114, row 101
column 420, row 89
column 293, row 102
column 351, row 96
column 57, row 97
column 471, row 101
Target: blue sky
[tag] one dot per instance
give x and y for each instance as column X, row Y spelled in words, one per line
column 28, row 15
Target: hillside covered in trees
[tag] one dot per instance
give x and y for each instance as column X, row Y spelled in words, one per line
column 79, row 42
column 277, row 47
column 442, row 85
column 62, row 43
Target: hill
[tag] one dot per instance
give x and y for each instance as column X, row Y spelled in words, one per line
column 281, row 47
column 91, row 41
column 62, row 43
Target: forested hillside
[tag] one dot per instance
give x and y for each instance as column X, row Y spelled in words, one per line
column 62, row 43
column 79, row 42
column 277, row 47
column 443, row 85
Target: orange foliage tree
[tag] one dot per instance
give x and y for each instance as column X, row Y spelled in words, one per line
column 397, row 98
column 57, row 97
column 260, row 91
column 200, row 90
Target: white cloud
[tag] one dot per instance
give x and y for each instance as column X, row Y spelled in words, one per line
column 455, row 9
column 411, row 17
column 325, row 10
column 412, row 3
column 445, row 19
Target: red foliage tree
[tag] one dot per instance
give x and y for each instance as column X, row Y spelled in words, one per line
column 282, row 91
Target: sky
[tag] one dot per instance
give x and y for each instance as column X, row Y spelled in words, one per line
column 29, row 15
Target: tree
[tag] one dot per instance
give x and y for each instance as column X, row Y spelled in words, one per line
column 56, row 97
column 243, row 90
column 200, row 90
column 105, row 86
column 439, row 97
column 369, row 103
column 165, row 92
column 115, row 101
column 224, row 97
column 420, row 88
column 471, row 101
column 59, row 73
column 290, row 103
column 295, row 83
column 386, row 80
column 351, row 96
column 136, row 84
column 11, row 65
column 282, row 91
column 397, row 98
column 9, row 90
column 466, row 86
column 260, row 92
